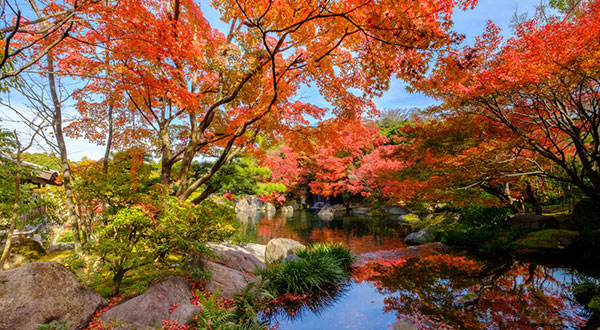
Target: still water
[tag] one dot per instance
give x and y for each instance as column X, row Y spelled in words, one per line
column 394, row 286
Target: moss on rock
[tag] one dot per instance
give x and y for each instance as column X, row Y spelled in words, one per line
column 551, row 241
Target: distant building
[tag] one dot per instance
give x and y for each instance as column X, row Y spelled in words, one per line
column 39, row 175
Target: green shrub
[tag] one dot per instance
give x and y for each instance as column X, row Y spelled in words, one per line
column 479, row 215
column 318, row 267
column 65, row 237
column 144, row 234
column 594, row 305
column 587, row 293
column 486, row 240
column 214, row 316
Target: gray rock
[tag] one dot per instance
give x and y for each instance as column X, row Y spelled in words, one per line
column 41, row 292
column 242, row 206
column 328, row 212
column 291, row 257
column 23, row 250
column 419, row 237
column 401, row 325
column 281, row 248
column 61, row 247
column 254, row 202
column 152, row 307
column 288, row 211
column 269, row 208
column 236, row 257
column 257, row 250
column 398, row 210
column 228, row 282
column 362, row 210
column 531, row 221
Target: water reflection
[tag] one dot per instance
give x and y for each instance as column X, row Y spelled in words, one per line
column 360, row 235
column 428, row 286
column 446, row 291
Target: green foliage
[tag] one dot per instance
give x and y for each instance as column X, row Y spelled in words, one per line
column 488, row 240
column 594, row 304
column 546, row 239
column 318, row 268
column 29, row 199
column 587, row 293
column 565, row 6
column 49, row 161
column 392, row 121
column 65, row 237
column 215, row 316
column 240, row 176
column 126, row 182
column 479, row 215
column 54, row 325
column 141, row 234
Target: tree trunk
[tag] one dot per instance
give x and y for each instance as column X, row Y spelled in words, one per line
column 117, row 279
column 207, row 192
column 532, row 198
column 166, row 158
column 108, row 140
column 64, row 161
column 15, row 215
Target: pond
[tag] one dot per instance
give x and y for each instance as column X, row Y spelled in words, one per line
column 394, row 286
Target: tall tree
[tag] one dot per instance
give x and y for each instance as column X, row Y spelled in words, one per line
column 28, row 37
column 541, row 84
column 191, row 90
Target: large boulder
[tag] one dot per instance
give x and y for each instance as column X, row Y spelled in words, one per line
column 226, row 281
column 236, row 257
column 269, row 208
column 420, row 237
column 257, row 250
column 242, row 206
column 23, row 250
column 326, row 213
column 42, row 292
column 288, row 211
column 56, row 247
column 254, row 202
column 531, row 221
column 586, row 214
column 168, row 300
column 398, row 210
column 545, row 242
column 409, row 218
column 281, row 248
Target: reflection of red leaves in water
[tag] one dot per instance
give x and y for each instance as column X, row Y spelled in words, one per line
column 274, row 227
column 427, row 290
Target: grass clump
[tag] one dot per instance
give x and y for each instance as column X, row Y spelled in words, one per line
column 338, row 251
column 317, row 268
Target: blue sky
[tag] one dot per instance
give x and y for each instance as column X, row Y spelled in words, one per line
column 470, row 23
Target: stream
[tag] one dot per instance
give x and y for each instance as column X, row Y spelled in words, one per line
column 394, row 286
